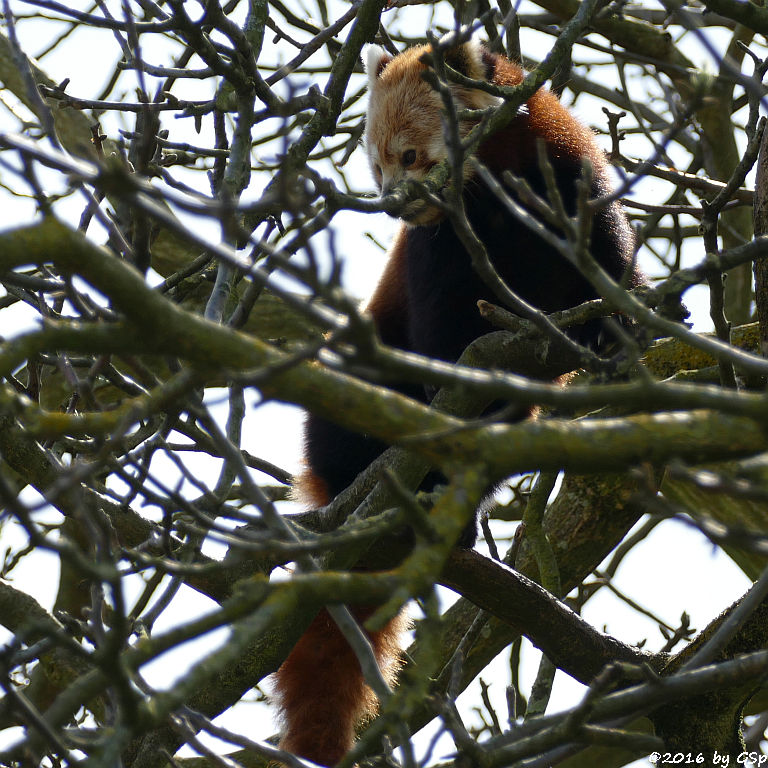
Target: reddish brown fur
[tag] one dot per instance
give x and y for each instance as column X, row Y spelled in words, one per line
column 388, row 304
column 549, row 120
column 321, row 690
column 310, row 489
column 404, row 112
column 320, row 686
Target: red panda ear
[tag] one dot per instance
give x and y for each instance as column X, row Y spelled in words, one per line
column 376, row 59
column 468, row 59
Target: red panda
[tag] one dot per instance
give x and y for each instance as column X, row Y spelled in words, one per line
column 426, row 301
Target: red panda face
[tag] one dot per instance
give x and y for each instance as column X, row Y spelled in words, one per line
column 404, row 136
column 404, row 126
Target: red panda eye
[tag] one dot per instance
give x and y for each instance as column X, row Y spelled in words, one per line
column 408, row 158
